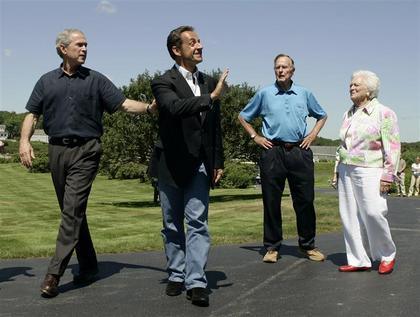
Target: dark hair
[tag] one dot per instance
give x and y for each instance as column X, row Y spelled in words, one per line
column 174, row 38
column 284, row 55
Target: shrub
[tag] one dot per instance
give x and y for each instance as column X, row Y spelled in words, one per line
column 238, row 175
column 130, row 170
column 4, row 160
column 40, row 164
column 9, row 158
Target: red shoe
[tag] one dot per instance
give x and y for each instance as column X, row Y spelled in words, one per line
column 351, row 268
column 386, row 267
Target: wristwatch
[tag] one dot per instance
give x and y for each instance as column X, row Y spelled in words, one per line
column 253, row 136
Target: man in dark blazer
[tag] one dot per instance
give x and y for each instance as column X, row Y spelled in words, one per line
column 189, row 157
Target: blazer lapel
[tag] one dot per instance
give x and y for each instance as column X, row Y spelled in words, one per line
column 204, row 89
column 180, row 83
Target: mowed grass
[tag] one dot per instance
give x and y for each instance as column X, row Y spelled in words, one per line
column 123, row 218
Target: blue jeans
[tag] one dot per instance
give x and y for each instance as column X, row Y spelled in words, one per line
column 186, row 252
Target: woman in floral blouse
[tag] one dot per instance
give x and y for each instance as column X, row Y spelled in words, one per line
column 368, row 157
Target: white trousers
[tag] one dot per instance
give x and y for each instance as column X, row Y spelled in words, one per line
column 362, row 211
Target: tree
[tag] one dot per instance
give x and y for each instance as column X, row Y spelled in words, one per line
column 236, row 141
column 326, row 142
column 13, row 121
column 128, row 137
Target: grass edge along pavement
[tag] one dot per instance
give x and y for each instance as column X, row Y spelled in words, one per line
column 123, row 218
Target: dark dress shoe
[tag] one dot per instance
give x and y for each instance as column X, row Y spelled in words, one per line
column 386, row 267
column 49, row 287
column 351, row 268
column 85, row 277
column 198, row 296
column 174, row 288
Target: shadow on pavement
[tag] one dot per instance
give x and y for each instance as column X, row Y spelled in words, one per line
column 285, row 249
column 7, row 274
column 213, row 279
column 106, row 269
column 337, row 258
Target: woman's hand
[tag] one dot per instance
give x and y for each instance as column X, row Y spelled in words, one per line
column 385, row 187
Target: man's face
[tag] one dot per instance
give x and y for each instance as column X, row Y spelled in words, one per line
column 76, row 51
column 283, row 69
column 191, row 49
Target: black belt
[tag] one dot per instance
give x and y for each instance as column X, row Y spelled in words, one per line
column 69, row 141
column 287, row 145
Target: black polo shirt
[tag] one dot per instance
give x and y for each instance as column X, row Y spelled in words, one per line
column 74, row 105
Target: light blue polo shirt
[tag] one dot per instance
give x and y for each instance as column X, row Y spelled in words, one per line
column 283, row 112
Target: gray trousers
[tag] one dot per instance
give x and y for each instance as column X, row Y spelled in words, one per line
column 73, row 170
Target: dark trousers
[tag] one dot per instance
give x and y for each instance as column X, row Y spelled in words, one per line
column 73, row 169
column 296, row 165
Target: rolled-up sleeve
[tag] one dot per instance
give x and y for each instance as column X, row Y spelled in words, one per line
column 112, row 97
column 34, row 104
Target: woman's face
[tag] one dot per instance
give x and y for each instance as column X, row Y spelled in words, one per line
column 359, row 93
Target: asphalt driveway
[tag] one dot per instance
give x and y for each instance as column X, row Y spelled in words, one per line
column 239, row 282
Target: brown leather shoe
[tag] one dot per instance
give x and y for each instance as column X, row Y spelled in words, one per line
column 49, row 287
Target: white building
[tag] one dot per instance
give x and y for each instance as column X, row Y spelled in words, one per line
column 3, row 133
column 324, row 153
column 39, row 135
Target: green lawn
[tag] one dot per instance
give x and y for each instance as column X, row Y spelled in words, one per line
column 123, row 218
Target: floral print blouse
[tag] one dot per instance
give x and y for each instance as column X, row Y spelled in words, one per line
column 370, row 138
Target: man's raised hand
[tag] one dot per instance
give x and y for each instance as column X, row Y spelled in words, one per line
column 217, row 92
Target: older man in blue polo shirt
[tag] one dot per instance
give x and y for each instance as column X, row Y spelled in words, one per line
column 286, row 154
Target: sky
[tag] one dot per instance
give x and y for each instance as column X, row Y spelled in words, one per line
column 328, row 40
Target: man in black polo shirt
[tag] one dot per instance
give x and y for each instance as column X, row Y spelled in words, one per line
column 72, row 100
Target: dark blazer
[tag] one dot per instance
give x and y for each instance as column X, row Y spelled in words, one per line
column 186, row 138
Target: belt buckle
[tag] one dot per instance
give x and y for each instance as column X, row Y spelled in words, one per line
column 288, row 146
column 66, row 141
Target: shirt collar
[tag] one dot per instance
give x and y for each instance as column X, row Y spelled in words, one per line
column 370, row 106
column 187, row 74
column 368, row 109
column 81, row 72
column 280, row 90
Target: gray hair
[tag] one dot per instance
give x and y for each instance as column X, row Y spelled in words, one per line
column 371, row 80
column 284, row 55
column 64, row 38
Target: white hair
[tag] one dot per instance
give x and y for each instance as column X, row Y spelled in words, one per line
column 370, row 79
column 64, row 38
